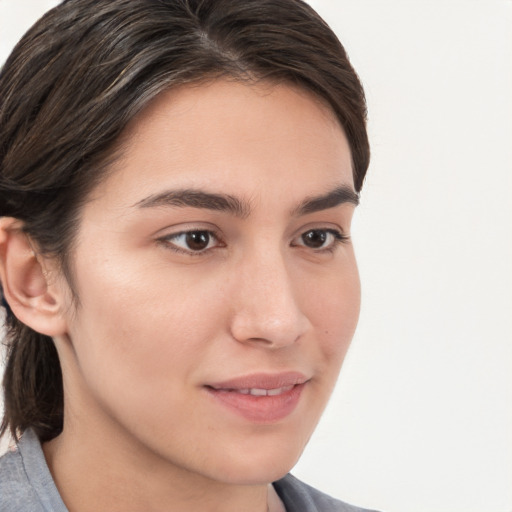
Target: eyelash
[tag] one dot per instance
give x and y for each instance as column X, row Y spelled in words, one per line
column 167, row 241
column 338, row 238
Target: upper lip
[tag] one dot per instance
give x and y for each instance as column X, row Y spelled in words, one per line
column 262, row 381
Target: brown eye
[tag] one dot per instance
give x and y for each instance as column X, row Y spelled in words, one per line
column 316, row 238
column 320, row 239
column 192, row 242
column 197, row 240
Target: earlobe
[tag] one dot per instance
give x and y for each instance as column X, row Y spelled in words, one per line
column 26, row 283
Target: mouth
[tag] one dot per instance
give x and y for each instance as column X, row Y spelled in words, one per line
column 259, row 391
column 260, row 398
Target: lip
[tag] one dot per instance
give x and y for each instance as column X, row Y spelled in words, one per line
column 262, row 397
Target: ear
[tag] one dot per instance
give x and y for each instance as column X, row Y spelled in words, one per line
column 33, row 298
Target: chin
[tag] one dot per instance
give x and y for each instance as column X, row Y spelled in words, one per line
column 257, row 464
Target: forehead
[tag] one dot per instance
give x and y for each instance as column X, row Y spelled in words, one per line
column 223, row 96
column 231, row 134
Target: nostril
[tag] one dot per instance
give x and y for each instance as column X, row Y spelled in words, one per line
column 252, row 329
column 266, row 304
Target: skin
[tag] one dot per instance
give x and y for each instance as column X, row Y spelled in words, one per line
column 156, row 321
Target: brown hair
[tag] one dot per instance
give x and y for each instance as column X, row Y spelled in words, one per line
column 76, row 79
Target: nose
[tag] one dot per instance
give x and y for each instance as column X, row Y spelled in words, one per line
column 266, row 307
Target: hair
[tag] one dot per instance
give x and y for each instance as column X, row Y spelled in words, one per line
column 75, row 80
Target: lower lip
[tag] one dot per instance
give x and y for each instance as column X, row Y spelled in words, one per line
column 260, row 409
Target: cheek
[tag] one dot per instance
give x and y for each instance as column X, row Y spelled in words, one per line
column 142, row 326
column 335, row 310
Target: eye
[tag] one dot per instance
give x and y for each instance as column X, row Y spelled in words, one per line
column 192, row 242
column 320, row 239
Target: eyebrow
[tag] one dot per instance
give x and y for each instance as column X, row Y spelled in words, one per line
column 241, row 208
column 340, row 195
column 198, row 199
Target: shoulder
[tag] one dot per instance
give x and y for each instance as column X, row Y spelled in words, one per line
column 15, row 489
column 25, row 480
column 300, row 497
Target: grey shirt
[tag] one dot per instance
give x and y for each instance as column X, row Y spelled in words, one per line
column 26, row 485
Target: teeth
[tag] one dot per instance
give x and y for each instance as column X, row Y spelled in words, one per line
column 278, row 391
column 258, row 392
column 263, row 392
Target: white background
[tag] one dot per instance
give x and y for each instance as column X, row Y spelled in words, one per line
column 422, row 418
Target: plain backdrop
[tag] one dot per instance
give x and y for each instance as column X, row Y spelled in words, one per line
column 421, row 420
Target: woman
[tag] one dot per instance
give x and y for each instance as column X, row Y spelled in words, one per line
column 178, row 179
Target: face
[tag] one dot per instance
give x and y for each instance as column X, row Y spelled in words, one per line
column 217, row 284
